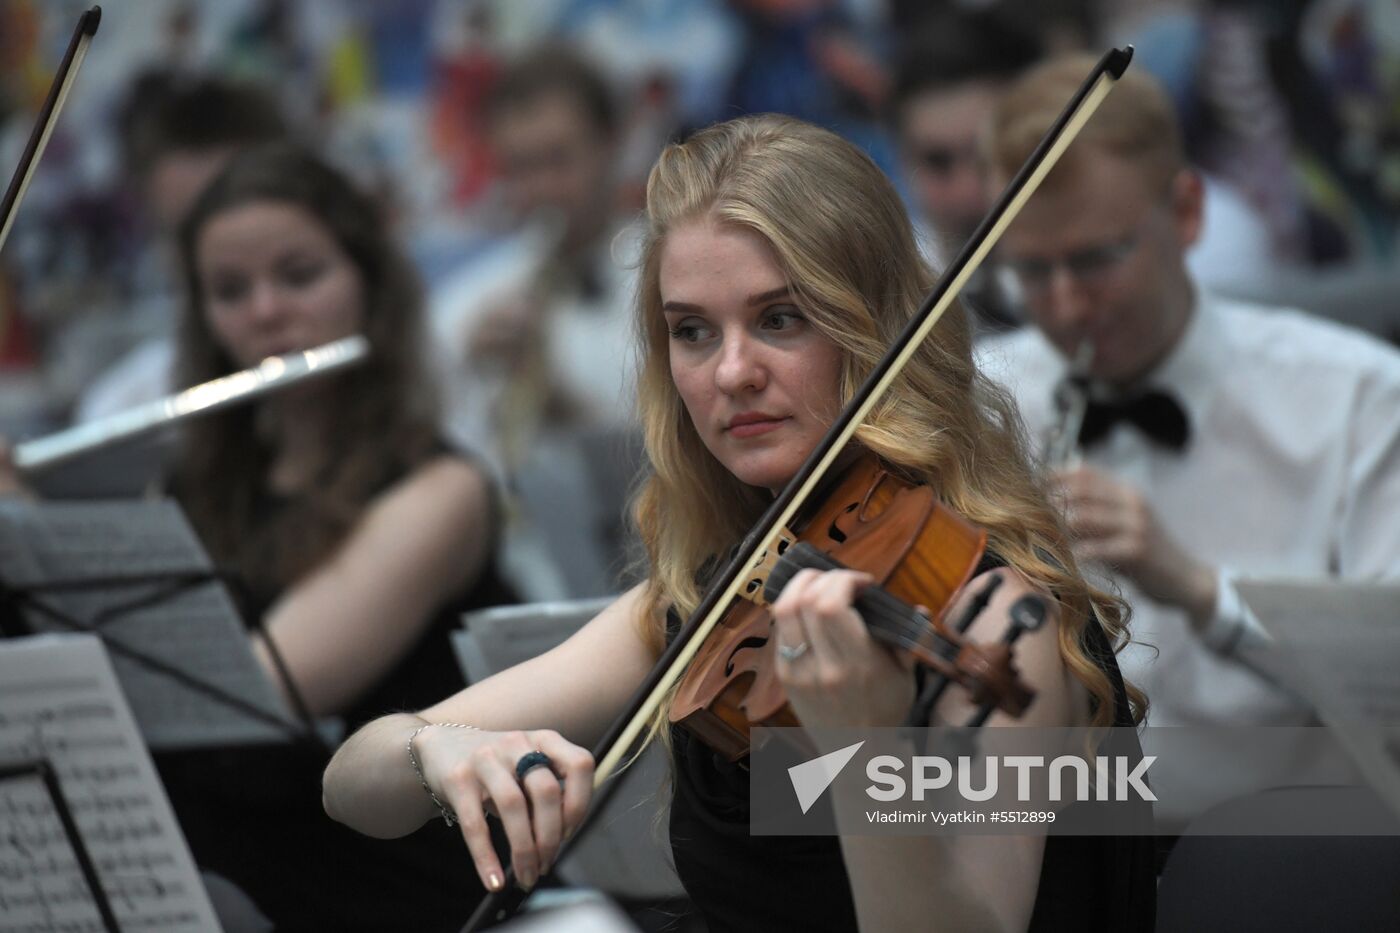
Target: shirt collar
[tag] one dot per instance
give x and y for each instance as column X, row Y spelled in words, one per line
column 1196, row 362
column 1191, row 368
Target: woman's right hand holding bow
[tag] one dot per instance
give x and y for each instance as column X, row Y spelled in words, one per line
column 537, row 782
column 370, row 784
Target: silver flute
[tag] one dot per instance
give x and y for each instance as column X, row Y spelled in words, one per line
column 1071, row 401
column 271, row 375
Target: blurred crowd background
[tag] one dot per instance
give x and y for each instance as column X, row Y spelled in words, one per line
column 1292, row 107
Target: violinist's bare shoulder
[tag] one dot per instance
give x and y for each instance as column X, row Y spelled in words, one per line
column 1060, row 698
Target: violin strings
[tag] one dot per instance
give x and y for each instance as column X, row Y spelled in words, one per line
column 886, row 613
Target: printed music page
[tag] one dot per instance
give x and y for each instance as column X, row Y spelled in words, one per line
column 195, row 629
column 59, row 701
column 1344, row 642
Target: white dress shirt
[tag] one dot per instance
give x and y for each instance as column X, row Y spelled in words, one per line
column 589, row 347
column 552, row 547
column 1292, row 469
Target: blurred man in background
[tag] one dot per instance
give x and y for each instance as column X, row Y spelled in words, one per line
column 949, row 77
column 1219, row 439
column 534, row 335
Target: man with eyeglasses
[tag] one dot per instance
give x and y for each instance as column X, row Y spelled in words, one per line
column 946, row 83
column 532, row 333
column 1215, row 439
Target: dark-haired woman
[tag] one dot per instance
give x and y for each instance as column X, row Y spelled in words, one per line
column 358, row 535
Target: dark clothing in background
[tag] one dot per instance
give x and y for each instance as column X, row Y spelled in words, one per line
column 254, row 814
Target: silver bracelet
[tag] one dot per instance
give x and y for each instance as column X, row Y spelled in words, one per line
column 447, row 815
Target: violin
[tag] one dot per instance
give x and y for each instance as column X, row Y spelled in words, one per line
column 762, row 549
column 920, row 553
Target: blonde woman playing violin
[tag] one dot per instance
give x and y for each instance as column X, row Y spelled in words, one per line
column 779, row 265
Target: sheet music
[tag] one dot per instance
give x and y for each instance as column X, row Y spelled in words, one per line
column 504, row 636
column 123, row 470
column 41, row 887
column 59, row 700
column 1343, row 640
column 197, row 630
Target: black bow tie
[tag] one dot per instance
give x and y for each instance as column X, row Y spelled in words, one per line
column 1156, row 414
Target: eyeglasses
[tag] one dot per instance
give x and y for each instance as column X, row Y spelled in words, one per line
column 1087, row 266
column 942, row 160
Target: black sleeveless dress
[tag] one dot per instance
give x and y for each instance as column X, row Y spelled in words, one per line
column 254, row 814
column 1087, row 883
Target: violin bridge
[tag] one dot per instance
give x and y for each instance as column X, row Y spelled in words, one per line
column 762, row 566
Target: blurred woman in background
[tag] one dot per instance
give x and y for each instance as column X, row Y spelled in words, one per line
column 357, row 535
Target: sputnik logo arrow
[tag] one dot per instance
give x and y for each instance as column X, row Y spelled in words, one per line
column 811, row 778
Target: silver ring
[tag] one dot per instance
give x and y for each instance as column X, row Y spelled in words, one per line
column 794, row 652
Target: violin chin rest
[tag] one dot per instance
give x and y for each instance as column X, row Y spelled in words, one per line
column 1028, row 613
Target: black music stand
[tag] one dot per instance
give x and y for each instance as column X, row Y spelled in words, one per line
column 35, row 603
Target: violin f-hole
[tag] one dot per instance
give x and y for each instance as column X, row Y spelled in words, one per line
column 752, row 641
column 834, row 531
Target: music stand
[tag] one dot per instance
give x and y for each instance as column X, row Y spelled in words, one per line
column 134, row 574
column 60, row 703
column 1342, row 643
column 122, row 470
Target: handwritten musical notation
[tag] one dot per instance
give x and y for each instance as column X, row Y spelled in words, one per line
column 59, row 702
column 195, row 630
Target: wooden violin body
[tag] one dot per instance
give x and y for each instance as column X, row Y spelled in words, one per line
column 917, row 549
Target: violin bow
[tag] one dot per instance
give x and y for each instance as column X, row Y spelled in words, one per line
column 48, row 116
column 645, row 704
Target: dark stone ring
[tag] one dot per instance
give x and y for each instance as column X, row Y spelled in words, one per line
column 530, row 761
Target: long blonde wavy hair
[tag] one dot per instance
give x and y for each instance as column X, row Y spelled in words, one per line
column 844, row 242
